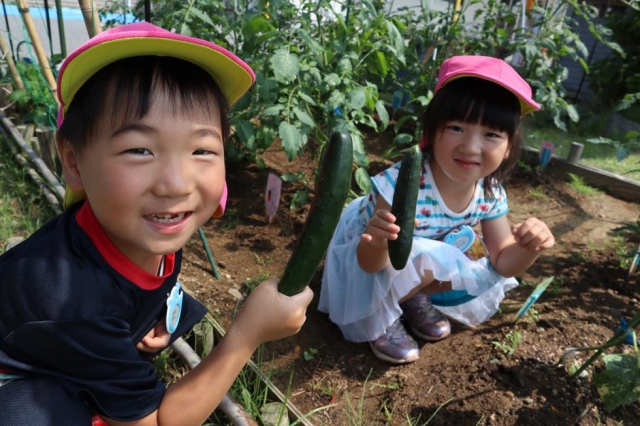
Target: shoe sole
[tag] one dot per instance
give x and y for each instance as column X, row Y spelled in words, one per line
column 383, row 357
column 426, row 336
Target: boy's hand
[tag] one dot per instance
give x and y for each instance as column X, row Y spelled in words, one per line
column 269, row 315
column 157, row 338
column 533, row 234
column 381, row 228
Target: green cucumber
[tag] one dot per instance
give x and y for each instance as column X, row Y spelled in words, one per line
column 405, row 199
column 332, row 189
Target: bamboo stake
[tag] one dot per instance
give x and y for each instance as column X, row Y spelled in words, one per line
column 228, row 405
column 63, row 40
column 91, row 18
column 6, row 54
column 37, row 45
column 41, row 167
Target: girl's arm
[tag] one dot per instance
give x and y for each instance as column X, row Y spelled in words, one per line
column 267, row 315
column 373, row 254
column 513, row 250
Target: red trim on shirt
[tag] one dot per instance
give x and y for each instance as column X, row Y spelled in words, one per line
column 143, row 279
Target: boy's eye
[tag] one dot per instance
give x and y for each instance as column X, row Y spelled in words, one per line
column 138, row 151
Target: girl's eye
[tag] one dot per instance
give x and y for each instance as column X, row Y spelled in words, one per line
column 454, row 128
column 202, row 152
column 496, row 135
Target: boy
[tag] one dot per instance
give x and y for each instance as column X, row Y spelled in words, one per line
column 91, row 295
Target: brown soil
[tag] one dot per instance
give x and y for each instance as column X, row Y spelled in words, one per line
column 465, row 379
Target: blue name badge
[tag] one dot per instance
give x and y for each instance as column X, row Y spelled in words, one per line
column 462, row 239
column 174, row 308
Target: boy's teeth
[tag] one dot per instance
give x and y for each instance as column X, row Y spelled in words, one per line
column 167, row 218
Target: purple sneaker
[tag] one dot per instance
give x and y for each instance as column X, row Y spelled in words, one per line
column 425, row 321
column 395, row 345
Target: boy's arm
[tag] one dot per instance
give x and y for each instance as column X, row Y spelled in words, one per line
column 267, row 315
column 513, row 250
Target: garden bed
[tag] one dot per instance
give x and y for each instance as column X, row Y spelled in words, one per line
column 469, row 378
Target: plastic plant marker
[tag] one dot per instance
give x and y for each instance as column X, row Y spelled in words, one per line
column 533, row 298
column 634, row 263
column 546, row 151
column 396, row 100
column 272, row 195
column 624, row 327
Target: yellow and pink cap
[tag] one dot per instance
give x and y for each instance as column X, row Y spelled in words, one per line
column 234, row 76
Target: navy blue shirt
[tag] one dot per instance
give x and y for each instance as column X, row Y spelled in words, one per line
column 73, row 307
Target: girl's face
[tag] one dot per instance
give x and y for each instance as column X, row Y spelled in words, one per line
column 467, row 152
column 152, row 182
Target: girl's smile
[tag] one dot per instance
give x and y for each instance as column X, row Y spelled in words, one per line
column 466, row 152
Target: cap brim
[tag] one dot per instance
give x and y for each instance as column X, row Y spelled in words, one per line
column 233, row 78
column 526, row 106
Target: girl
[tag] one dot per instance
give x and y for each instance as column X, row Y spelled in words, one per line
column 470, row 143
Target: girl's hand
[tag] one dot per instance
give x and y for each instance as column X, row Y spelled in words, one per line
column 381, row 228
column 533, row 234
column 269, row 315
column 157, row 338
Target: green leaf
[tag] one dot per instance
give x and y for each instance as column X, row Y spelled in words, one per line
column 246, row 133
column 306, row 98
column 395, row 38
column 202, row 16
column 185, row 30
column 382, row 65
column 300, row 198
column 619, row 383
column 292, row 139
column 285, row 65
column 357, row 98
column 332, row 79
column 573, row 113
column 363, row 180
column 303, row 116
column 290, row 177
column 383, row 115
column 273, row 110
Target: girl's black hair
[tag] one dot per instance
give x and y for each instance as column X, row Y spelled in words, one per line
column 126, row 89
column 477, row 101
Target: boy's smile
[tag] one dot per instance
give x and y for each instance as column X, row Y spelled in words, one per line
column 152, row 182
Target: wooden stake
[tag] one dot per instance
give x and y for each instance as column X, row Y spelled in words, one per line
column 91, row 17
column 12, row 65
column 37, row 45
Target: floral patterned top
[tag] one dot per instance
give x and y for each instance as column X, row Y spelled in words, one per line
column 435, row 219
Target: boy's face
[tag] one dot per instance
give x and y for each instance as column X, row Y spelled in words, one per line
column 152, row 182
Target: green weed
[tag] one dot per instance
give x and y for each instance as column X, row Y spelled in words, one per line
column 538, row 193
column 578, row 185
column 511, row 341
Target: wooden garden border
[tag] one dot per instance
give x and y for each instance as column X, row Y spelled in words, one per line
column 618, row 186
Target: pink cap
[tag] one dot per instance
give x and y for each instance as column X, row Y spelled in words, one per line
column 488, row 68
column 232, row 74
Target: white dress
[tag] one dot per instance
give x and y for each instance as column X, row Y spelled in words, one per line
column 364, row 305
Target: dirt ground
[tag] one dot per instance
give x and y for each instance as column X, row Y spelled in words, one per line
column 465, row 379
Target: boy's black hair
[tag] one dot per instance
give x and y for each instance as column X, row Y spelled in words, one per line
column 124, row 90
column 474, row 100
